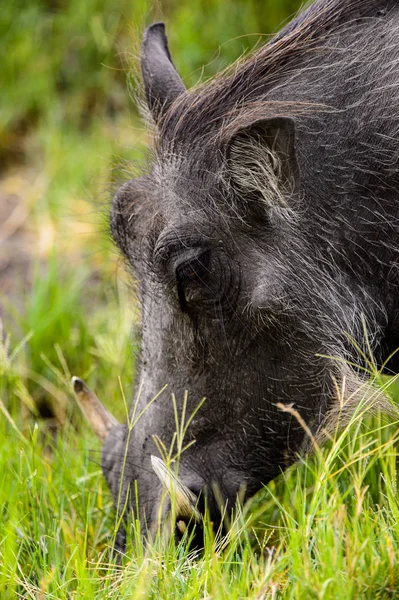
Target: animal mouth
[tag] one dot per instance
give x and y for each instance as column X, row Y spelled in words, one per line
column 182, row 512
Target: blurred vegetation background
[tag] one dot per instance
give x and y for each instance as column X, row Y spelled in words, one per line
column 69, row 131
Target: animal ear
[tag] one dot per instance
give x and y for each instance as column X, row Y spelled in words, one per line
column 261, row 160
column 162, row 83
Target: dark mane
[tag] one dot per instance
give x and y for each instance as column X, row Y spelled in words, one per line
column 237, row 95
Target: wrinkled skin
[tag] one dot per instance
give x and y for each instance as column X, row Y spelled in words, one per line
column 246, row 294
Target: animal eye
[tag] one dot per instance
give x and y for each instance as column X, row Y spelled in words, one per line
column 193, row 267
column 191, row 271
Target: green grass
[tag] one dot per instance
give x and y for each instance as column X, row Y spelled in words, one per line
column 327, row 528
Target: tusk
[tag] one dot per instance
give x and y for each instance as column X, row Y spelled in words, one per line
column 180, row 493
column 181, row 526
column 98, row 417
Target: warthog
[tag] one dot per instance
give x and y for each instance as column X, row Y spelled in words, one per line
column 264, row 243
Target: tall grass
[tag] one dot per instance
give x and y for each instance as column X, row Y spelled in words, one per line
column 326, row 528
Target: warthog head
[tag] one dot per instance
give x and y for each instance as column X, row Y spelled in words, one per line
column 253, row 268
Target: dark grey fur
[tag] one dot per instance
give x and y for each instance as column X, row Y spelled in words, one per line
column 265, row 232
